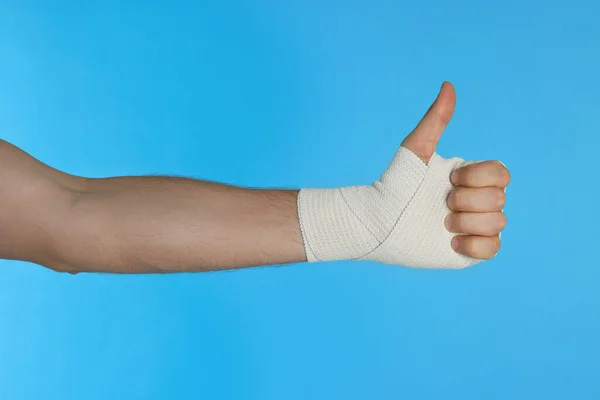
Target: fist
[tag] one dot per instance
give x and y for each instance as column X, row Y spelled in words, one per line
column 478, row 197
column 476, row 202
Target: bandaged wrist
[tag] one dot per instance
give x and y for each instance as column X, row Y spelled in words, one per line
column 398, row 219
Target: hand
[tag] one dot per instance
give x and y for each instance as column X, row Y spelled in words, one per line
column 479, row 195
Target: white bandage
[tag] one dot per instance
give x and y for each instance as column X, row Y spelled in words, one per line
column 398, row 219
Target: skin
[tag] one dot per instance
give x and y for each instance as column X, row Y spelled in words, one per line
column 479, row 196
column 157, row 224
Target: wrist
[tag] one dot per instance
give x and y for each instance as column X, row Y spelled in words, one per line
column 398, row 220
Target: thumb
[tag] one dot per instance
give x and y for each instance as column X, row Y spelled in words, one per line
column 424, row 138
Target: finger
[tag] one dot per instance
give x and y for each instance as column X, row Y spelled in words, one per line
column 483, row 174
column 480, row 247
column 424, row 138
column 487, row 199
column 481, row 224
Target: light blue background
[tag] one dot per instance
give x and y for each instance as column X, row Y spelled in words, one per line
column 318, row 94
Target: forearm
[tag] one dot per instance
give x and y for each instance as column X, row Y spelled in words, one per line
column 166, row 224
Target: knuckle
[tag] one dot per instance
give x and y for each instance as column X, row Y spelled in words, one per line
column 496, row 244
column 500, row 221
column 503, row 173
column 505, row 177
column 492, row 248
column 442, row 118
column 500, row 198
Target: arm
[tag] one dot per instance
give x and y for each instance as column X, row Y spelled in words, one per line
column 425, row 211
column 139, row 224
column 166, row 224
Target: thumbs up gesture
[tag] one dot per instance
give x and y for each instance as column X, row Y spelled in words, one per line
column 478, row 197
column 425, row 211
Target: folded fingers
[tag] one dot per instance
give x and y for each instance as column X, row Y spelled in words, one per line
column 480, row 247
